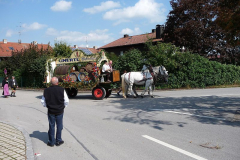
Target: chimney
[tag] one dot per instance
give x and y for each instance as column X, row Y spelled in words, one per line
column 5, row 41
column 34, row 42
column 126, row 35
column 159, row 31
column 153, row 30
column 19, row 41
column 158, row 36
column 75, row 46
column 94, row 47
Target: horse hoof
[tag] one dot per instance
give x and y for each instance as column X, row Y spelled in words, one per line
column 124, row 97
column 135, row 97
column 152, row 96
column 142, row 96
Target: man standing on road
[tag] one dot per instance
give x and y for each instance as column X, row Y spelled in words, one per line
column 55, row 99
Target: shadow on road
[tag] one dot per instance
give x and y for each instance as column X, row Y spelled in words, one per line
column 43, row 136
column 80, row 97
column 206, row 109
column 39, row 97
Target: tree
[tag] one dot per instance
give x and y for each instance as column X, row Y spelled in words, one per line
column 112, row 56
column 161, row 54
column 62, row 50
column 192, row 24
column 29, row 63
column 228, row 20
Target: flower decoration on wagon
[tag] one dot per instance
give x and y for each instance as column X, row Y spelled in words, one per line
column 67, row 79
column 95, row 70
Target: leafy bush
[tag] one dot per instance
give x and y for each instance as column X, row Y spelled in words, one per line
column 190, row 70
column 132, row 60
column 28, row 63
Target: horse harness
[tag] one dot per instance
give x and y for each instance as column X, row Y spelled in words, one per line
column 145, row 74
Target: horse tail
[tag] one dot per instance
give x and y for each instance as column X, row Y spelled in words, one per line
column 123, row 85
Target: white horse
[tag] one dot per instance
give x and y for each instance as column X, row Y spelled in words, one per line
column 143, row 78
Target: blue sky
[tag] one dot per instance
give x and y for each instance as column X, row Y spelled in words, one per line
column 79, row 22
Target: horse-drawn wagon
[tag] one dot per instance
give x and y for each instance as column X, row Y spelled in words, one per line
column 84, row 73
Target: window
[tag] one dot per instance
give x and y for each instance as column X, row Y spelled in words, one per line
column 11, row 48
column 121, row 53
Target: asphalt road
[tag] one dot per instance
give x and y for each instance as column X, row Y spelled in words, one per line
column 175, row 125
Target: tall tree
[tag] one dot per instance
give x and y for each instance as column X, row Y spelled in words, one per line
column 61, row 49
column 228, row 19
column 192, row 24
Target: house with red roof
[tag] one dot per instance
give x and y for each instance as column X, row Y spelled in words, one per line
column 121, row 45
column 6, row 48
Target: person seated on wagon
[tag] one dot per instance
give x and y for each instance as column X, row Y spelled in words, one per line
column 106, row 69
column 110, row 65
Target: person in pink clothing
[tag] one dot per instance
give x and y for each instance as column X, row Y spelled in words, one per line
column 110, row 65
column 5, row 87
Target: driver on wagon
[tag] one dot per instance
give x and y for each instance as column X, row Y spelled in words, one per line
column 106, row 69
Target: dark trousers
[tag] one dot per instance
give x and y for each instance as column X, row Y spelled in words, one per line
column 107, row 75
column 52, row 119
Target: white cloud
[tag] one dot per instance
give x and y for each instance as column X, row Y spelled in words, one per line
column 103, row 7
column 9, row 33
column 61, row 6
column 51, row 32
column 128, row 31
column 97, row 36
column 148, row 9
column 33, row 26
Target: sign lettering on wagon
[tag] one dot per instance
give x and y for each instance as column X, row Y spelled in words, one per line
column 77, row 56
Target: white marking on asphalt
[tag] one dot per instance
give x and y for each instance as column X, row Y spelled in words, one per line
column 174, row 148
column 222, row 119
column 172, row 111
column 192, row 109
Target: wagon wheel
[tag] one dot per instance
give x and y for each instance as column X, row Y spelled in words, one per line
column 72, row 92
column 108, row 93
column 98, row 93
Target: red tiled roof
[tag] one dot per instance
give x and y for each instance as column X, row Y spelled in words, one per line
column 6, row 48
column 131, row 40
column 93, row 50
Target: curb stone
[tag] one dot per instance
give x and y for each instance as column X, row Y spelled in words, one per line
column 28, row 143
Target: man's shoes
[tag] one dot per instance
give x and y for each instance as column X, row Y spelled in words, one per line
column 50, row 145
column 14, row 96
column 59, row 143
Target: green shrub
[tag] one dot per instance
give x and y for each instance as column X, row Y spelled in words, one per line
column 191, row 70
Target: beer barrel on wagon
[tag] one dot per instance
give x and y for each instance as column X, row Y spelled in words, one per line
column 74, row 76
column 90, row 66
column 61, row 71
column 66, row 69
column 83, row 69
column 81, row 76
